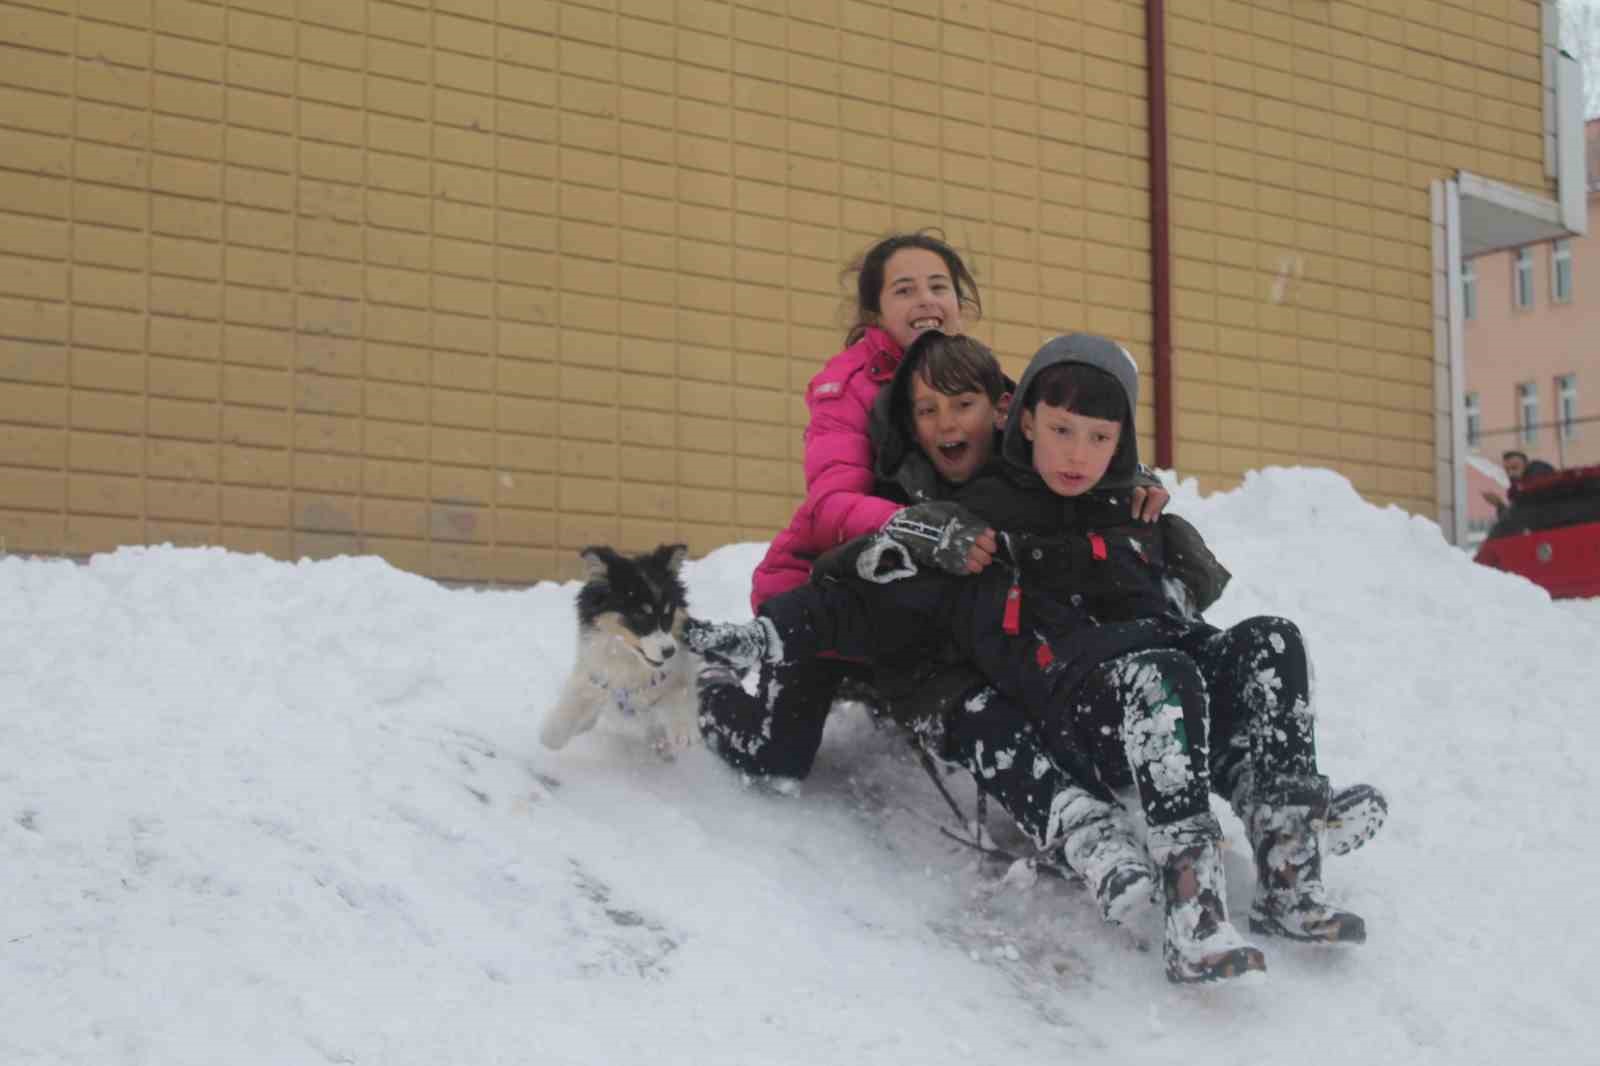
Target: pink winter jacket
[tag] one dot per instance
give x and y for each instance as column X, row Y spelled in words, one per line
column 838, row 461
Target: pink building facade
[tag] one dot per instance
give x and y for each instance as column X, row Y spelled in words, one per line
column 1532, row 331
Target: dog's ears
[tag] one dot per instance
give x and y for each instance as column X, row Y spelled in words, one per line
column 673, row 556
column 598, row 559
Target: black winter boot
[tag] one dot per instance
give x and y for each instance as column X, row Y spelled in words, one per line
column 1201, row 944
column 1285, row 823
column 1099, row 844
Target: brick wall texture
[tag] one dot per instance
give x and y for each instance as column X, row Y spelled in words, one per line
column 468, row 284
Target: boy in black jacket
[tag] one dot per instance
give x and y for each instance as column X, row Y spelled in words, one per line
column 1096, row 623
column 934, row 427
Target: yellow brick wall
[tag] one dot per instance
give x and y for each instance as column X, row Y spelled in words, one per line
column 471, row 283
column 1304, row 140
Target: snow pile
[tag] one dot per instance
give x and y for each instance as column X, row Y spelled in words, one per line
column 257, row 812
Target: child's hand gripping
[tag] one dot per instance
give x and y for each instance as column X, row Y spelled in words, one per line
column 944, row 535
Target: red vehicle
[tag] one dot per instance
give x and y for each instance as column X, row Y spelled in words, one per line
column 1550, row 532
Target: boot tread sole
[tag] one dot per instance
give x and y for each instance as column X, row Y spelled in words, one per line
column 1237, row 963
column 1355, row 815
column 1267, row 927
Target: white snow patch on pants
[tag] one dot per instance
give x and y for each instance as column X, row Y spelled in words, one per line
column 1154, row 742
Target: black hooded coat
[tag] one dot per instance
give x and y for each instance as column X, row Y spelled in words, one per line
column 1092, row 584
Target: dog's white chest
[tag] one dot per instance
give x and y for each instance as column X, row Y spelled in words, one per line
column 637, row 695
column 609, row 674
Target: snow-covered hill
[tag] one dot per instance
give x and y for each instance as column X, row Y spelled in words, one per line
column 261, row 813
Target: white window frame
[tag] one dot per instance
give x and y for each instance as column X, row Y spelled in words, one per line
column 1528, row 411
column 1522, row 280
column 1567, row 406
column 1561, row 271
column 1474, row 420
column 1469, row 290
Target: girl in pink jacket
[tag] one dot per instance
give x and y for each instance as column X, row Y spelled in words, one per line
column 905, row 284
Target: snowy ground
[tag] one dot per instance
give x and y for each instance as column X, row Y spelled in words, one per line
column 262, row 813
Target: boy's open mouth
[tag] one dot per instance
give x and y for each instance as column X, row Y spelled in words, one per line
column 953, row 451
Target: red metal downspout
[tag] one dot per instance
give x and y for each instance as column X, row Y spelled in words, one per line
column 1160, row 227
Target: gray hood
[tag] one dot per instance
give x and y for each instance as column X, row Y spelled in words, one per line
column 1102, row 354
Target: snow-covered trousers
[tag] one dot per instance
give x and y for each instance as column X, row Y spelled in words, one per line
column 776, row 733
column 1224, row 711
column 999, row 744
column 1246, row 688
column 962, row 620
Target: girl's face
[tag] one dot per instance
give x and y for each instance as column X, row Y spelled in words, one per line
column 955, row 432
column 1070, row 451
column 918, row 294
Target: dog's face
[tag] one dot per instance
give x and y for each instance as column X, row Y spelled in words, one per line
column 638, row 599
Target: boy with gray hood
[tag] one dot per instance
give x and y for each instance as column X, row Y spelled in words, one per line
column 1099, row 620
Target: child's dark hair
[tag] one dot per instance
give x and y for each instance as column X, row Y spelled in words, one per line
column 956, row 364
column 1080, row 388
column 868, row 271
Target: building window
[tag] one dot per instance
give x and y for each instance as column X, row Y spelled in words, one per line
column 1561, row 272
column 1474, row 421
column 1522, row 279
column 1528, row 412
column 1469, row 290
column 1567, row 406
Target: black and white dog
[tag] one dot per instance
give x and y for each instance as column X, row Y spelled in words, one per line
column 631, row 655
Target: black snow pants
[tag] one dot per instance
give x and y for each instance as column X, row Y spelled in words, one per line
column 1181, row 710
column 777, row 731
column 1221, row 713
column 963, row 620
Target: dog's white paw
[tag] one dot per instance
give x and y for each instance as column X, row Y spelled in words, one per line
column 669, row 742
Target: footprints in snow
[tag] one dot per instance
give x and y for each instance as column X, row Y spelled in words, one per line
column 476, row 757
column 613, row 939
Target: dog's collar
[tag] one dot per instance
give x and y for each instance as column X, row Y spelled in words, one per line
column 623, row 693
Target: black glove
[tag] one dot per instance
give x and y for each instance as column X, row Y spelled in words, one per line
column 937, row 533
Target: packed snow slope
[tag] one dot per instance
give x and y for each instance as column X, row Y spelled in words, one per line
column 260, row 813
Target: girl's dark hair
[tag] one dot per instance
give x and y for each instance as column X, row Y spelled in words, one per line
column 868, row 271
column 955, row 364
column 1081, row 389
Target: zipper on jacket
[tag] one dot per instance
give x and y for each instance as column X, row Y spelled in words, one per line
column 1011, row 620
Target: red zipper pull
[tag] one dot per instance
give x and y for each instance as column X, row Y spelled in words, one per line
column 1011, row 623
column 1097, row 547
